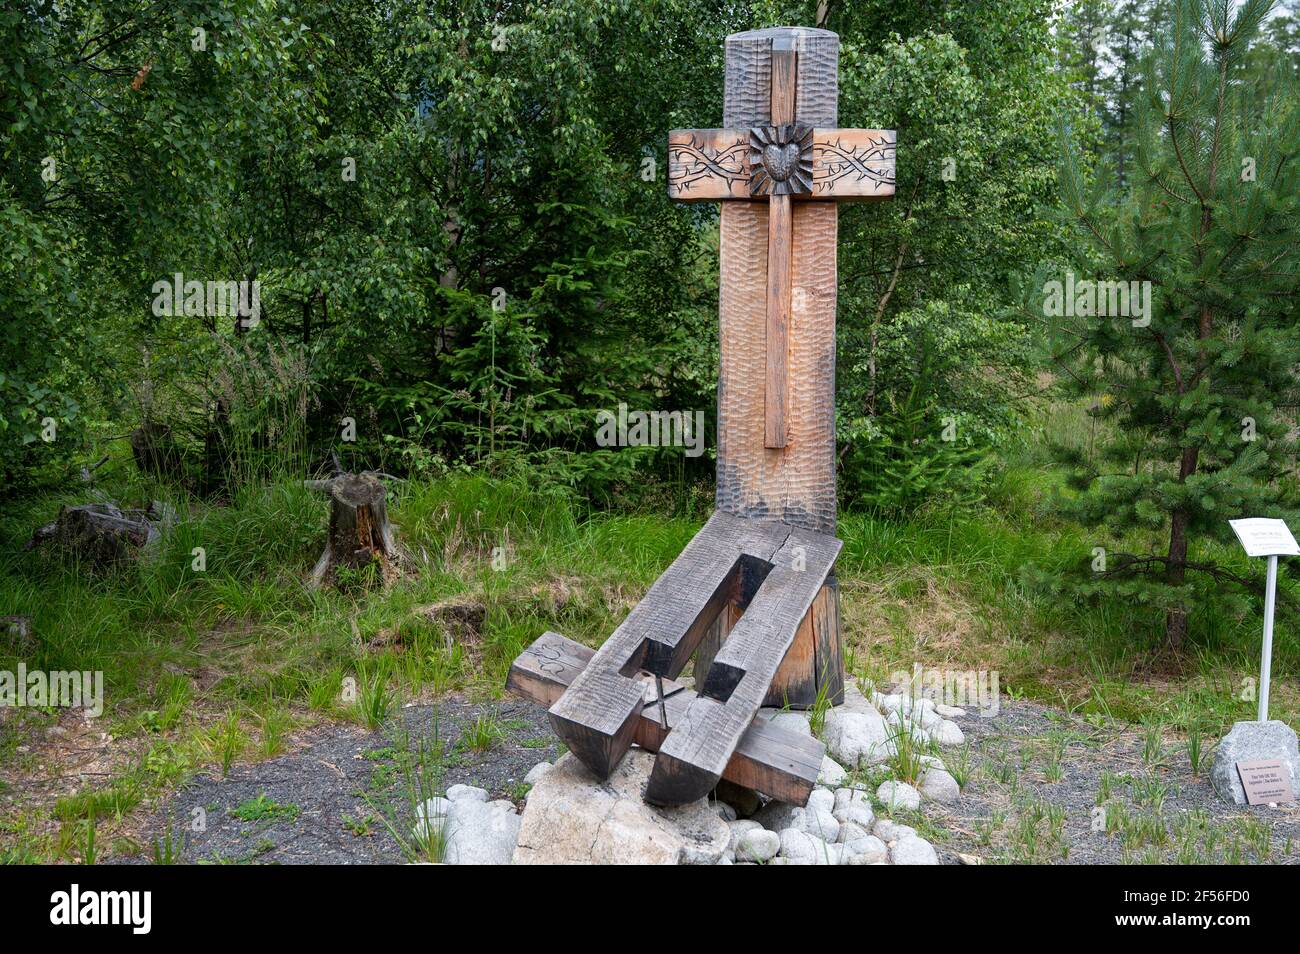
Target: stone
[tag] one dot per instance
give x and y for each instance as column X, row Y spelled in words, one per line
column 858, row 813
column 432, row 812
column 949, row 712
column 738, row 828
column 828, row 854
column 891, row 831
column 725, row 811
column 821, row 824
column 470, row 792
column 480, row 832
column 844, row 797
column 850, row 831
column 866, row 850
column 536, row 772
column 832, row 773
column 572, row 817
column 855, row 701
column 912, row 850
column 897, row 795
column 822, row 800
column 856, row 738
column 938, row 785
column 758, row 845
column 778, row 816
column 799, row 847
column 1248, row 742
column 789, row 720
column 948, row 733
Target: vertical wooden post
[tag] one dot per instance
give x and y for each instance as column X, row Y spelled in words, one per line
column 776, row 394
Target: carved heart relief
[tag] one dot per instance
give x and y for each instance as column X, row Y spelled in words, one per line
column 779, row 161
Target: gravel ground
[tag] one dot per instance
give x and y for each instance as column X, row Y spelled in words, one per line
column 1034, row 775
column 326, row 802
column 1034, row 795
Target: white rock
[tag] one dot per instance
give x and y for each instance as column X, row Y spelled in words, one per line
column 854, row 738
column 572, row 817
column 938, row 785
column 855, row 701
column 867, row 850
column 725, row 860
column 948, row 732
column 480, row 833
column 739, row 828
column 844, row 797
column 725, row 811
column 789, row 720
column 891, row 831
column 830, row 854
column 832, row 773
column 949, row 712
column 897, row 795
column 536, row 772
column 758, row 845
column 821, row 824
column 850, row 831
column 859, row 813
column 913, row 851
column 432, row 812
column 799, row 847
column 470, row 792
column 822, row 800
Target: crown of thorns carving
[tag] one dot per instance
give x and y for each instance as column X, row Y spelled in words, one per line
column 780, row 159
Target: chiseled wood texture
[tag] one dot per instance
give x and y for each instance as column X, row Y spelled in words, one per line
column 708, row 165
column 694, row 755
column 794, row 483
column 777, row 762
column 596, row 717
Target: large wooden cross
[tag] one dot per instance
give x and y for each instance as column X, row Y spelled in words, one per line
column 752, row 599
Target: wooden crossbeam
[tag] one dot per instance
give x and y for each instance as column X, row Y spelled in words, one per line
column 708, row 165
column 694, row 756
column 774, row 761
column 597, row 716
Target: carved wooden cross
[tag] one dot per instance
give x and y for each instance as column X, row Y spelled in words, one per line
column 780, row 145
column 752, row 600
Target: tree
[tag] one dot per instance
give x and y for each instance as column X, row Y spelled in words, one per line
column 1195, row 387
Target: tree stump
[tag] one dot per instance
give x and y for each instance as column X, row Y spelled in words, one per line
column 101, row 533
column 359, row 533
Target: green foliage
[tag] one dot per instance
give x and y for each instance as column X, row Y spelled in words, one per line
column 1193, row 403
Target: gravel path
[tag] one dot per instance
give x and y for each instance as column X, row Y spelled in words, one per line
column 328, row 801
column 1041, row 786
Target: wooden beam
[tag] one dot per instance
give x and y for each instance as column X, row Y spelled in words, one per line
column 780, row 247
column 708, row 165
column 693, row 757
column 774, row 761
column 596, row 717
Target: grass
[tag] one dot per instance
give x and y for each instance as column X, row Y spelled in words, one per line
column 207, row 669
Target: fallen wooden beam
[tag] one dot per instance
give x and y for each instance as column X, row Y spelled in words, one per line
column 596, row 717
column 776, row 762
column 693, row 758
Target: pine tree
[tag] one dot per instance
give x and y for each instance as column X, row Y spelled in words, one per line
column 1190, row 396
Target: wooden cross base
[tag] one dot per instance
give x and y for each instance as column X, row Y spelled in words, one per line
column 768, row 759
column 765, row 579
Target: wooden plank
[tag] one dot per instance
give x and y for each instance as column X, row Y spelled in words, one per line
column 776, row 762
column 709, row 165
column 596, row 717
column 780, row 236
column 693, row 757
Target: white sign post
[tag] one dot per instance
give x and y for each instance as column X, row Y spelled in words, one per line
column 1267, row 538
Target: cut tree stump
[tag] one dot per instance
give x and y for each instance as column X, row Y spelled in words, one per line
column 360, row 535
